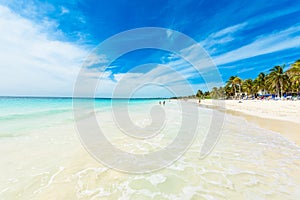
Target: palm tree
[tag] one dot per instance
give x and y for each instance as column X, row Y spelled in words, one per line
column 260, row 82
column 276, row 82
column 199, row 94
column 248, row 86
column 230, row 83
column 255, row 86
column 294, row 74
column 221, row 92
column 234, row 81
column 296, row 64
column 214, row 93
column 277, row 79
column 238, row 81
column 228, row 90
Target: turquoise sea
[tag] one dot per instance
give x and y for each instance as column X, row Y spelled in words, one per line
column 21, row 114
column 42, row 156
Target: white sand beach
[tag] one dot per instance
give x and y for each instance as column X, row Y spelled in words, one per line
column 282, row 110
column 279, row 116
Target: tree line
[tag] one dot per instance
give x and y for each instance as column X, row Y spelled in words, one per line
column 277, row 82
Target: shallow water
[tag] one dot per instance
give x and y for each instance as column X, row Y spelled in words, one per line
column 42, row 157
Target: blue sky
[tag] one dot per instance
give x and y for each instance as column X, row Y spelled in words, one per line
column 44, row 43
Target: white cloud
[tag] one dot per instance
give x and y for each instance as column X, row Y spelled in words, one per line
column 32, row 63
column 213, row 42
column 95, row 59
column 64, row 10
column 240, row 71
column 228, row 30
column 163, row 80
column 222, row 36
column 277, row 41
column 163, row 74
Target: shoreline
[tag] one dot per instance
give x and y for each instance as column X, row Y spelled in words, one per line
column 247, row 159
column 263, row 116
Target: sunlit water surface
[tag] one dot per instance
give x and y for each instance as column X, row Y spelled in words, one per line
column 42, row 157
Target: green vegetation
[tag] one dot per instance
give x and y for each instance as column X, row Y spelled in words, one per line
column 277, row 82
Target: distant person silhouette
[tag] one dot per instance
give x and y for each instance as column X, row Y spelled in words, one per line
column 164, row 103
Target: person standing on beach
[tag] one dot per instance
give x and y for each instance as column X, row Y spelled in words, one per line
column 164, row 103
